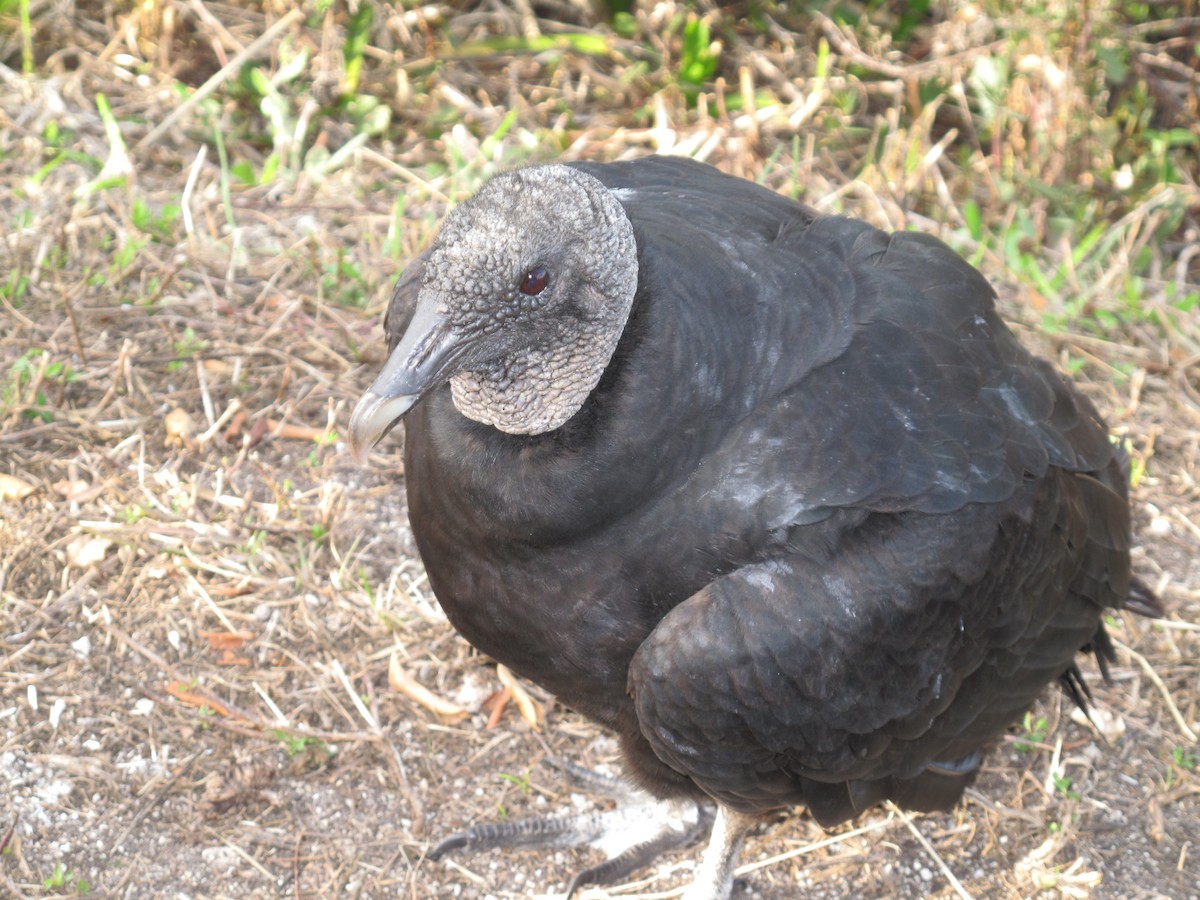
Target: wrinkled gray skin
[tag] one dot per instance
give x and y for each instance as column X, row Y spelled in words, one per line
column 522, row 363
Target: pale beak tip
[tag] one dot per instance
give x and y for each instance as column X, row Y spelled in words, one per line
column 372, row 417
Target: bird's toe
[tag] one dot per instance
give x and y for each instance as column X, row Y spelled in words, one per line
column 631, row 834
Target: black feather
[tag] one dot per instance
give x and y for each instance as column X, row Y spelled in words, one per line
column 822, row 524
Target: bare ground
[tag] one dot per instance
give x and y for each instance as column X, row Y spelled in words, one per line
column 200, row 594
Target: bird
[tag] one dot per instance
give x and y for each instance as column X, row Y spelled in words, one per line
column 775, row 496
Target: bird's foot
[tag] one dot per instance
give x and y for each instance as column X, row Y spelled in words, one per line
column 631, row 835
column 714, row 876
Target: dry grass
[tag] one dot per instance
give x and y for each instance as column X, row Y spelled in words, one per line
column 200, row 594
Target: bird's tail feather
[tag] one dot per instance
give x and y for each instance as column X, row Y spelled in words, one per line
column 938, row 787
column 1144, row 601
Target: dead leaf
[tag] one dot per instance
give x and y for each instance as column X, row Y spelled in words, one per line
column 235, row 425
column 1109, row 724
column 235, row 589
column 219, row 794
column 226, row 640
column 401, row 681
column 1184, row 790
column 71, row 489
column 13, row 488
column 78, row 491
column 1158, row 832
column 495, row 705
column 87, row 551
column 288, row 432
column 8, row 835
column 180, row 426
column 180, row 692
column 531, row 711
column 258, row 430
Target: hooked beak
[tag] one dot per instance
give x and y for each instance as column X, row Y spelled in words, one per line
column 421, row 361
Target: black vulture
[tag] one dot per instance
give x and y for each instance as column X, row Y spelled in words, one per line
column 775, row 496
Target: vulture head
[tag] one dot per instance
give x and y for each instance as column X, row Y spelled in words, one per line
column 525, row 292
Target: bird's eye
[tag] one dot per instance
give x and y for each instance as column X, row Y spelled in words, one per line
column 535, row 281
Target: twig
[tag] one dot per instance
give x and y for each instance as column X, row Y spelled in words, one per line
column 218, row 79
column 1004, row 812
column 848, row 48
column 235, row 406
column 250, row 859
column 239, row 720
column 280, row 718
column 8, row 833
column 1180, row 23
column 762, row 863
column 1178, row 626
column 937, row 858
column 405, row 173
column 809, row 848
column 416, row 807
column 1162, row 689
column 208, row 600
column 340, row 674
column 58, row 609
column 185, row 199
column 1188, row 523
column 296, row 866
column 160, row 793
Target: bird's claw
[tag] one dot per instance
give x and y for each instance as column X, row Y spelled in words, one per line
column 631, row 835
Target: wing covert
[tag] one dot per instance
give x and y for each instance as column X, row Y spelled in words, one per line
column 912, row 639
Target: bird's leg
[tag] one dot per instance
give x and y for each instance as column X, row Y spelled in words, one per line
column 714, row 877
column 631, row 835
